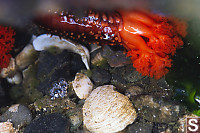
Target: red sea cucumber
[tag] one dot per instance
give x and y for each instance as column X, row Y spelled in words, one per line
column 91, row 27
column 150, row 39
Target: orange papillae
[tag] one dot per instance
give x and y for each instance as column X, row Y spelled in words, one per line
column 151, row 40
column 6, row 45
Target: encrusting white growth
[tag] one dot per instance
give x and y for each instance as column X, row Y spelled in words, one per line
column 43, row 42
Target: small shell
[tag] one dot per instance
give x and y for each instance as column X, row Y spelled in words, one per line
column 43, row 42
column 107, row 111
column 26, row 57
column 82, row 85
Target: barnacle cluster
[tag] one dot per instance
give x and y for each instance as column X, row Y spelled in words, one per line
column 58, row 89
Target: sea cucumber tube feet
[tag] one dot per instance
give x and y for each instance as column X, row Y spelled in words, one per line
column 134, row 41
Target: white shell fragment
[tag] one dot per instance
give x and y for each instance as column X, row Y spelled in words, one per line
column 82, row 85
column 43, row 42
column 107, row 111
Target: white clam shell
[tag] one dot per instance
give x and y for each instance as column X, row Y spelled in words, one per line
column 82, row 85
column 107, row 111
column 43, row 42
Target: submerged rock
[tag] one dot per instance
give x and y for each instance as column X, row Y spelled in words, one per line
column 18, row 114
column 115, row 58
column 100, row 76
column 157, row 109
column 53, row 67
column 52, row 123
column 140, row 127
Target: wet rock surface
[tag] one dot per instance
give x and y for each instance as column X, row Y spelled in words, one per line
column 18, row 114
column 100, row 76
column 157, row 110
column 52, row 67
column 115, row 58
column 51, row 123
column 140, row 127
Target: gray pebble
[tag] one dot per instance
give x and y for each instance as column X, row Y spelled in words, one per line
column 18, row 114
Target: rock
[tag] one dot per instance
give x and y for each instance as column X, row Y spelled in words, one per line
column 51, row 106
column 52, row 68
column 127, row 73
column 131, row 75
column 76, row 118
column 18, row 114
column 45, row 42
column 52, row 123
column 3, row 98
column 157, row 109
column 115, row 58
column 100, row 76
column 140, row 127
column 132, row 91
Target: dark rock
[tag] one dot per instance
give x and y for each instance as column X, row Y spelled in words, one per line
column 157, row 109
column 158, row 88
column 100, row 76
column 3, row 99
column 118, row 81
column 53, row 67
column 140, row 127
column 160, row 127
column 52, row 123
column 131, row 75
column 132, row 91
column 115, row 58
column 127, row 73
column 18, row 114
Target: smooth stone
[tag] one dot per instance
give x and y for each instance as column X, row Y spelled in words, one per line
column 18, row 114
column 52, row 123
column 100, row 76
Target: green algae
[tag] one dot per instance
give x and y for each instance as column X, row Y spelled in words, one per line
column 184, row 76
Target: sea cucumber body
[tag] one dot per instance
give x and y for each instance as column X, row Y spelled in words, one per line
column 150, row 39
column 92, row 27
